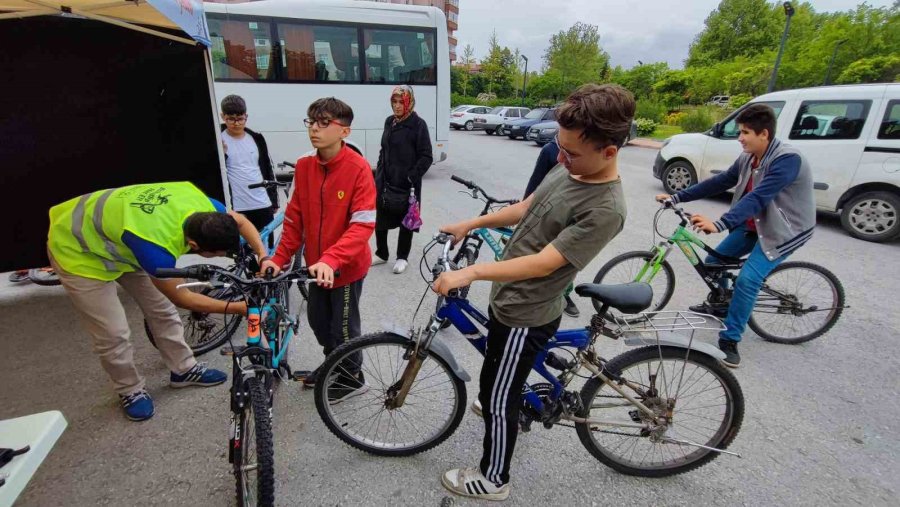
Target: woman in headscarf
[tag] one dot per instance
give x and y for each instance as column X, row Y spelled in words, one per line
column 404, row 158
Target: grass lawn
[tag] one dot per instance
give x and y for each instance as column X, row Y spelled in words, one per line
column 664, row 131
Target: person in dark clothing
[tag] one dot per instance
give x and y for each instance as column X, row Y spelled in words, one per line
column 404, row 158
column 546, row 161
column 246, row 162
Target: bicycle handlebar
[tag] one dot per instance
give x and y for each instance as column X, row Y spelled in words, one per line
column 286, row 164
column 472, row 186
column 267, row 184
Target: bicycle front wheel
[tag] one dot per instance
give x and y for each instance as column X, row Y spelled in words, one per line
column 359, row 380
column 707, row 409
column 206, row 331
column 799, row 301
column 254, row 462
column 636, row 267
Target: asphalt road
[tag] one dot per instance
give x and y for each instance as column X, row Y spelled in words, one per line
column 820, row 428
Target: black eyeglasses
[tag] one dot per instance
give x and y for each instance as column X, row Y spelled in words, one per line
column 323, row 123
column 236, row 119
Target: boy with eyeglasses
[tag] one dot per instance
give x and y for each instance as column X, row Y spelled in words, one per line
column 560, row 228
column 332, row 211
column 247, row 161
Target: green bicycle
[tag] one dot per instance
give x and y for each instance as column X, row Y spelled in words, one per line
column 799, row 301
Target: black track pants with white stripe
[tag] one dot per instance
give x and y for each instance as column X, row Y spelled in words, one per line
column 508, row 360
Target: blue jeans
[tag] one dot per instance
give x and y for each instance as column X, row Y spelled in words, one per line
column 739, row 243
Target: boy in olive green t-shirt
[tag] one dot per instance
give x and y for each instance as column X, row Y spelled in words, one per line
column 560, row 228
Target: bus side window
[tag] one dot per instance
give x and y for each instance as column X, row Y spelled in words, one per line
column 241, row 49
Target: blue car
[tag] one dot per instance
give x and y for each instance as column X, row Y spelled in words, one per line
column 519, row 128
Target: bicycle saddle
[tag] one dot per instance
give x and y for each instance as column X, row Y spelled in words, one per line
column 627, row 298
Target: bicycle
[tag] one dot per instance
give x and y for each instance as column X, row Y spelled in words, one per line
column 420, row 397
column 255, row 369
column 204, row 332
column 470, row 246
column 788, row 309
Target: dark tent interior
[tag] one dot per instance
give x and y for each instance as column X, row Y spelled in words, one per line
column 85, row 106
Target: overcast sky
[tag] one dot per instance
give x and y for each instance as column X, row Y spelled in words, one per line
column 630, row 30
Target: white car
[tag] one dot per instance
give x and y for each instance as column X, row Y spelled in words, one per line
column 464, row 116
column 850, row 135
column 496, row 116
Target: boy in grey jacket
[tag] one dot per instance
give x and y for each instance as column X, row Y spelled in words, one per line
column 772, row 214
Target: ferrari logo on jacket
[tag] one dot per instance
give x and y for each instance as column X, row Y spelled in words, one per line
column 340, row 194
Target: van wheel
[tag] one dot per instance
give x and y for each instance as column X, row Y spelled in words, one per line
column 872, row 216
column 678, row 176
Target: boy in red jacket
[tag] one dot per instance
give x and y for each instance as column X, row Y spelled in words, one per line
column 332, row 212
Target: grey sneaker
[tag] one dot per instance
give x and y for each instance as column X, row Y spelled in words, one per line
column 730, row 348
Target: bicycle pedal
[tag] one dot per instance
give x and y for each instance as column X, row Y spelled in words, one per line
column 229, row 351
column 300, row 375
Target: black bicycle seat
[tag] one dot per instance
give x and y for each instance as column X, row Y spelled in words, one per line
column 627, row 298
column 284, row 177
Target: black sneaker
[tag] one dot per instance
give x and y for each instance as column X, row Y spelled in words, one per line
column 730, row 348
column 719, row 311
column 571, row 310
column 345, row 387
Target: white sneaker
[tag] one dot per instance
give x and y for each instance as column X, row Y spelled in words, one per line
column 476, row 407
column 376, row 260
column 470, row 482
column 400, row 266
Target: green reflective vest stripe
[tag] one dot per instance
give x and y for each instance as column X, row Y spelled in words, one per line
column 86, row 232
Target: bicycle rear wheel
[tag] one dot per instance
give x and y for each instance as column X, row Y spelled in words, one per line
column 356, row 409
column 708, row 410
column 799, row 301
column 206, row 331
column 254, row 462
column 627, row 268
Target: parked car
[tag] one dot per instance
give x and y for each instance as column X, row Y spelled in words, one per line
column 519, row 128
column 543, row 133
column 493, row 118
column 848, row 134
column 719, row 100
column 464, row 116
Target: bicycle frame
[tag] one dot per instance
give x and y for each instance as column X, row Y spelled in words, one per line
column 687, row 243
column 460, row 312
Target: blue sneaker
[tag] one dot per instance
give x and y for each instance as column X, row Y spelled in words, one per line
column 199, row 375
column 138, row 405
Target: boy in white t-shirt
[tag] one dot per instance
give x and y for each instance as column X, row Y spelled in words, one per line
column 247, row 161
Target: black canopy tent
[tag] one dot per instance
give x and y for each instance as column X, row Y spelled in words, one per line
column 88, row 103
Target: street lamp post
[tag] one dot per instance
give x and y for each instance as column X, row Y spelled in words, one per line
column 789, row 11
column 524, row 79
column 831, row 63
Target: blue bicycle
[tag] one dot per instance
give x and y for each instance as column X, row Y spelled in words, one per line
column 658, row 410
column 204, row 332
column 255, row 368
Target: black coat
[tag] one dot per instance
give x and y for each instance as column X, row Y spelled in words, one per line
column 404, row 158
column 265, row 162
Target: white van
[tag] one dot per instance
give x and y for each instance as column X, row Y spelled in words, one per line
column 849, row 134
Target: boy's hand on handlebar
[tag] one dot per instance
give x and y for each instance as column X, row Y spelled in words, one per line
column 268, row 264
column 323, row 273
column 458, row 231
column 701, row 223
column 661, row 198
column 449, row 280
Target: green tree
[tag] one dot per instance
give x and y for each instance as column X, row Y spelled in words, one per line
column 468, row 59
column 877, row 69
column 496, row 67
column 641, row 78
column 736, row 28
column 576, row 57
